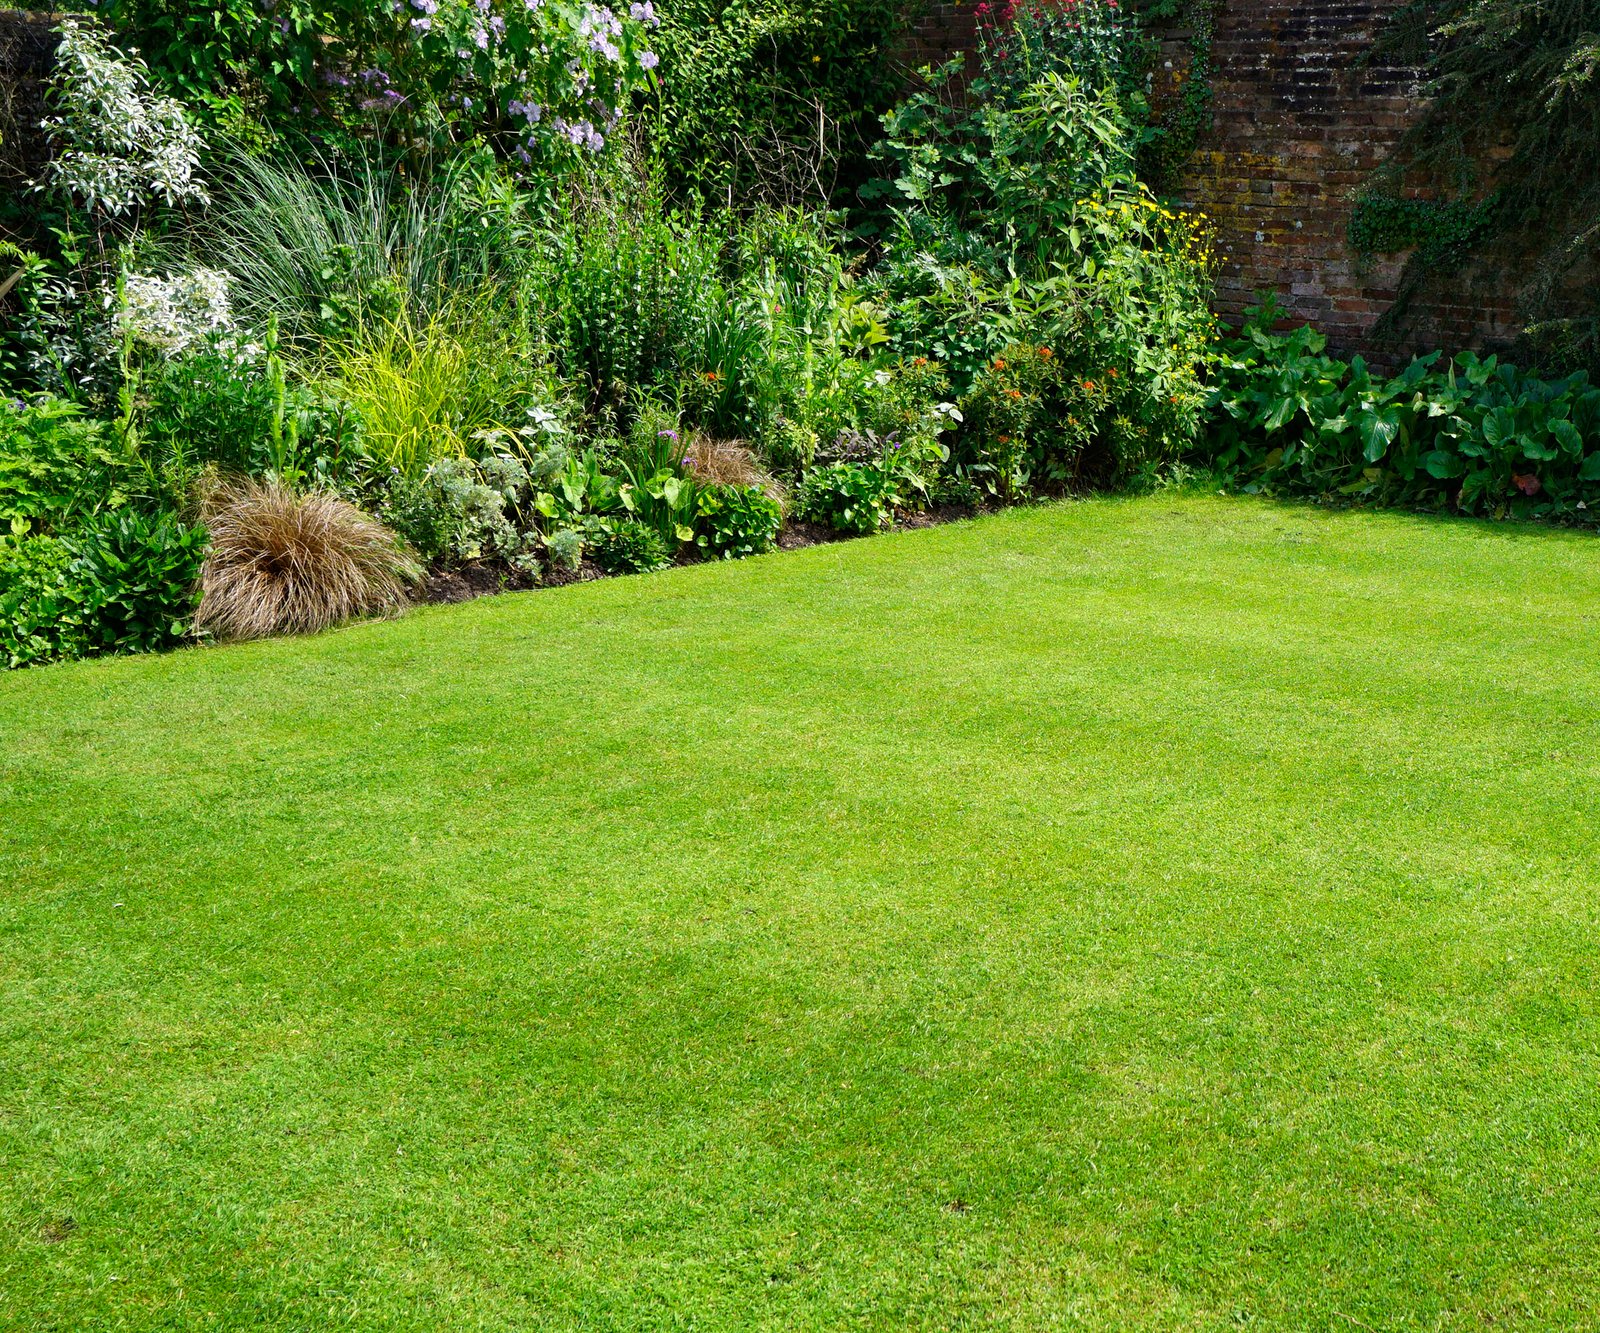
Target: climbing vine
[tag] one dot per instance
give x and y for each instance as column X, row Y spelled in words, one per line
column 1187, row 116
column 1510, row 140
column 1440, row 231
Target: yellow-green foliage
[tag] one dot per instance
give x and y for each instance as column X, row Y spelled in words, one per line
column 427, row 383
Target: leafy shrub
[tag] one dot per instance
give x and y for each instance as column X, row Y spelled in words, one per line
column 627, row 292
column 1016, row 219
column 282, row 563
column 1472, row 435
column 657, row 489
column 538, row 74
column 121, row 583
column 464, row 510
column 732, row 521
column 221, row 406
column 955, row 490
column 1023, row 413
column 772, row 99
column 632, row 547
column 38, row 612
column 855, row 498
column 137, row 576
column 566, row 548
column 116, row 145
column 56, row 466
column 788, row 446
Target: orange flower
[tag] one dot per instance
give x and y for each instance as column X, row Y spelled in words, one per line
column 1013, row 393
column 1089, row 385
column 919, row 361
column 1005, row 439
column 999, row 363
column 1046, row 353
column 1112, row 371
column 712, row 376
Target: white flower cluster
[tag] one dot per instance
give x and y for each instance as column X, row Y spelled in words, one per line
column 171, row 314
column 117, row 145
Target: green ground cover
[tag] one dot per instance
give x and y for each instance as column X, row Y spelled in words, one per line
column 1152, row 913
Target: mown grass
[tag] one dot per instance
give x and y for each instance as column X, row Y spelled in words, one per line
column 1175, row 913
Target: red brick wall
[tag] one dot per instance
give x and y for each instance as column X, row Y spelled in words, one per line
column 942, row 28
column 1301, row 117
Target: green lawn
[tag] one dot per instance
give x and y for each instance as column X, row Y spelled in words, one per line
column 1176, row 913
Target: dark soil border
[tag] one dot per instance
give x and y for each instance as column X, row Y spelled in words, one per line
column 449, row 584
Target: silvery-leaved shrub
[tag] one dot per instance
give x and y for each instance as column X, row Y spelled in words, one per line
column 174, row 313
column 117, row 145
column 118, row 149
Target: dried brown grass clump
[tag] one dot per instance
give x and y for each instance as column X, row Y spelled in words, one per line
column 282, row 563
column 727, row 463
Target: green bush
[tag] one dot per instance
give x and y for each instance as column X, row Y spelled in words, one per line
column 631, row 547
column 1470, row 435
column 626, row 292
column 735, row 521
column 1015, row 219
column 217, row 407
column 460, row 510
column 854, row 498
column 57, row 467
column 123, row 582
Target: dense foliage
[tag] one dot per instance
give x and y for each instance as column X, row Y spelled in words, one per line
column 547, row 78
column 1469, row 435
column 1016, row 218
column 777, row 99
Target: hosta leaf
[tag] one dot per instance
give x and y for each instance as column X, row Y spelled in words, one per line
column 1499, row 427
column 1443, row 464
column 1378, row 430
column 1566, row 435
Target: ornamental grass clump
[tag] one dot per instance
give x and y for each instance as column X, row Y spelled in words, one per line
column 286, row 563
column 727, row 463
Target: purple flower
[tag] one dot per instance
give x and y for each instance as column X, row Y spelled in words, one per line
column 648, row 60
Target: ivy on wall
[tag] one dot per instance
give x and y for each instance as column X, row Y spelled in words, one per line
column 1188, row 116
column 1441, row 231
column 1511, row 138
